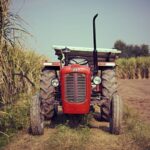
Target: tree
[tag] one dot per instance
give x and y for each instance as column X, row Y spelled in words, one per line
column 131, row 50
column 120, row 45
column 145, row 50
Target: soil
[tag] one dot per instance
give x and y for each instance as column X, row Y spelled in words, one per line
column 135, row 93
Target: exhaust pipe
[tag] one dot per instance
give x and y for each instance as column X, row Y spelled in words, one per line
column 95, row 62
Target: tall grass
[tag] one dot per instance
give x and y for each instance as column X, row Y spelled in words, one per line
column 11, row 31
column 133, row 68
column 19, row 79
column 21, row 76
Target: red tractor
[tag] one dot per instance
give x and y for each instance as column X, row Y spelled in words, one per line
column 81, row 79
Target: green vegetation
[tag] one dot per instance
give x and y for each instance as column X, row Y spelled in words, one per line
column 19, row 73
column 132, row 50
column 15, row 117
column 133, row 68
column 14, row 107
column 136, row 135
column 67, row 138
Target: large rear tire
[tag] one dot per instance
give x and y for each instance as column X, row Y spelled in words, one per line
column 47, row 94
column 109, row 87
column 36, row 118
column 116, row 114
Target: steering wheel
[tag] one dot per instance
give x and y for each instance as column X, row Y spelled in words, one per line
column 80, row 61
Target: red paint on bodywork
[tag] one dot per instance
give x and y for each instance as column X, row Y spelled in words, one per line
column 76, row 107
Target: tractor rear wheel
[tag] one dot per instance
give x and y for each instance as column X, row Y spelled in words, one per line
column 36, row 118
column 47, row 94
column 109, row 87
column 116, row 114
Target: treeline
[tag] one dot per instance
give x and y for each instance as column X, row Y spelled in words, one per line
column 131, row 50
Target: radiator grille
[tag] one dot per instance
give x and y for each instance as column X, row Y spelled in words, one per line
column 75, row 87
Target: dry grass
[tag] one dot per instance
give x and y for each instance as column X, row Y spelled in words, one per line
column 66, row 138
column 135, row 136
column 133, row 68
column 19, row 73
column 19, row 79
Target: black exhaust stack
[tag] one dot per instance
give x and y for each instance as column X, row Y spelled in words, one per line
column 95, row 51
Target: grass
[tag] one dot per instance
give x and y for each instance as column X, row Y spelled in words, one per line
column 133, row 68
column 137, row 130
column 16, row 89
column 66, row 138
column 15, row 118
column 19, row 72
column 135, row 136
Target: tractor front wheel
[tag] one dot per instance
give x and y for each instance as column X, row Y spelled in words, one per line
column 36, row 118
column 116, row 114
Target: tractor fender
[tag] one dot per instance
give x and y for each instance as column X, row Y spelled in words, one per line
column 52, row 65
column 106, row 64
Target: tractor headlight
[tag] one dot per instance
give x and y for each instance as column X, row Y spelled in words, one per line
column 55, row 82
column 96, row 80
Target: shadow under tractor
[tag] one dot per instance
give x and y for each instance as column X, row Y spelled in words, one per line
column 83, row 78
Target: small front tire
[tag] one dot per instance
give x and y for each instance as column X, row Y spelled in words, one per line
column 36, row 118
column 116, row 114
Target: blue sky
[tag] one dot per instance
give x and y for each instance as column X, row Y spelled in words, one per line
column 69, row 22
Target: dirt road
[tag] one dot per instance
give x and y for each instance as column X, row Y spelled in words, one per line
column 135, row 93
